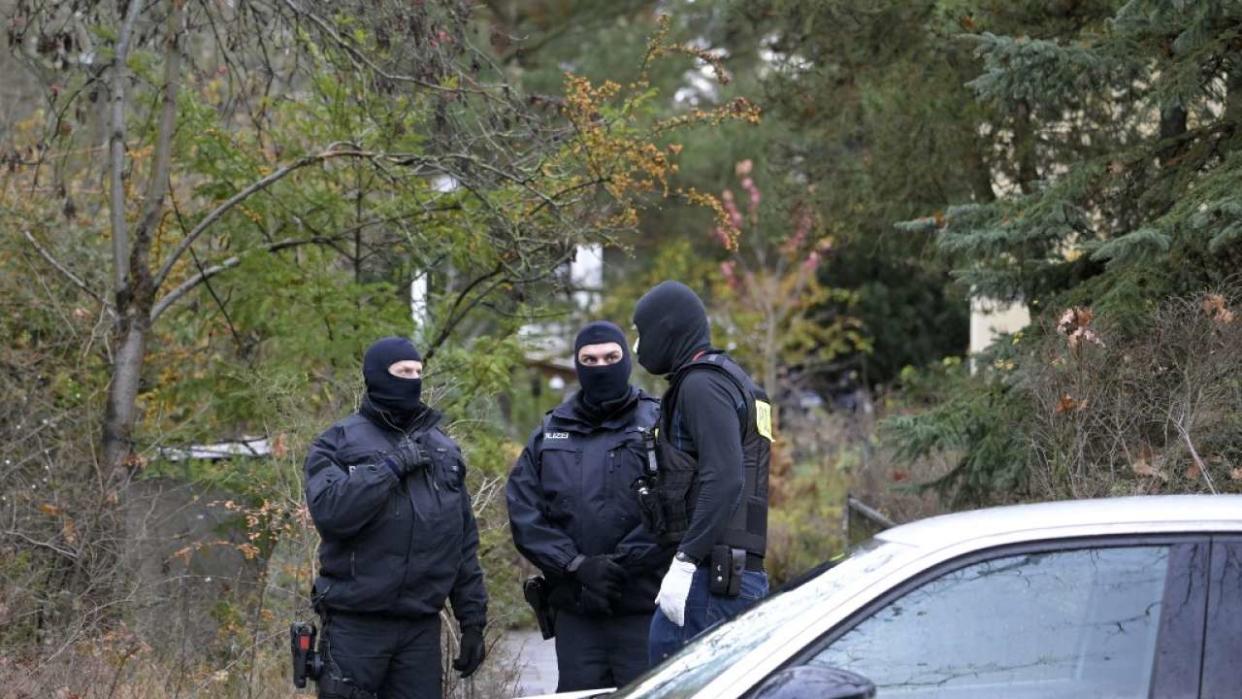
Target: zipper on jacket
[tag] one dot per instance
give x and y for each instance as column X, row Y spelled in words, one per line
column 407, row 484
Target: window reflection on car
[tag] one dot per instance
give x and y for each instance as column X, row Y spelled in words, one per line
column 1057, row 624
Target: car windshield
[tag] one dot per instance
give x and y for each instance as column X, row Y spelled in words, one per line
column 707, row 657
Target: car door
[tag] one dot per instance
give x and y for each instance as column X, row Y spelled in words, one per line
column 1117, row 617
column 1222, row 654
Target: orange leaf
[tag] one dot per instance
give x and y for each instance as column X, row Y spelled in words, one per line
column 1144, row 468
column 50, row 510
column 184, row 554
column 279, row 446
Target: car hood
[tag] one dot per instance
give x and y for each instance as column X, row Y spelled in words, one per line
column 575, row 695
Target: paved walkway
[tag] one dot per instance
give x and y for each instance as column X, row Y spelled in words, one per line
column 536, row 659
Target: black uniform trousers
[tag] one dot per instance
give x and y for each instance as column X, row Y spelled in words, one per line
column 597, row 652
column 393, row 657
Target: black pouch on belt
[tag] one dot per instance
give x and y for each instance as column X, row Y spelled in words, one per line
column 727, row 566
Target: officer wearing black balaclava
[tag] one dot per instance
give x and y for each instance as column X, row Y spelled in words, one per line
column 574, row 517
column 386, row 490
column 711, row 490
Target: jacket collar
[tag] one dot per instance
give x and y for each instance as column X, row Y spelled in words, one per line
column 570, row 417
column 421, row 421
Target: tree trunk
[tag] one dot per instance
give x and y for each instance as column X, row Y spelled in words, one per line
column 122, row 410
column 136, row 285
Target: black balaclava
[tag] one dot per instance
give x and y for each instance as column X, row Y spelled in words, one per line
column 603, row 387
column 672, row 327
column 392, row 394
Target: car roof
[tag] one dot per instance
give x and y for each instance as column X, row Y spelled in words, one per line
column 1178, row 511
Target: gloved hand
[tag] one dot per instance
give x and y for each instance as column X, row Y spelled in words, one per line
column 409, row 456
column 472, row 652
column 675, row 589
column 601, row 575
column 592, row 604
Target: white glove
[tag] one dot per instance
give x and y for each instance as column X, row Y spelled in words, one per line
column 675, row 589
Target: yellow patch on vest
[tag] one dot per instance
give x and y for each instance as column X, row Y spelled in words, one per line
column 763, row 418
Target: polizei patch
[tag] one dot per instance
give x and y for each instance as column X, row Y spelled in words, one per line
column 556, row 435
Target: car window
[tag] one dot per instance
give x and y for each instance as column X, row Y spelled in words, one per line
column 1077, row 623
column 703, row 660
column 1222, row 671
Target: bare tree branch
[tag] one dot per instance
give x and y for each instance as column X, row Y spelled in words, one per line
column 157, row 187
column 207, row 273
column 65, row 271
column 360, row 59
column 43, row 544
column 1194, row 453
column 228, row 205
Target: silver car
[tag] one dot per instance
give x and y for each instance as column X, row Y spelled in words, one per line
column 1126, row 597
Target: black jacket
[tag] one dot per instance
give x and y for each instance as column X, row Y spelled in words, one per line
column 389, row 545
column 570, row 494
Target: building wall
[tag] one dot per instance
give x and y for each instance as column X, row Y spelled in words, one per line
column 990, row 318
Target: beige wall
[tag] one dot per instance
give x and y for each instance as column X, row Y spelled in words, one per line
column 989, row 318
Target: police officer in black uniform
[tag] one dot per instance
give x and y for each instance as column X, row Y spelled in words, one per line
column 710, row 495
column 386, row 490
column 574, row 516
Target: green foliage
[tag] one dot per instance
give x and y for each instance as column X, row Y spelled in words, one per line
column 804, row 528
column 972, row 420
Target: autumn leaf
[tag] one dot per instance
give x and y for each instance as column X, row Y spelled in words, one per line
column 1193, row 472
column 280, row 446
column 1236, row 474
column 1067, row 403
column 50, row 510
column 1217, row 308
column 1144, row 468
column 184, row 554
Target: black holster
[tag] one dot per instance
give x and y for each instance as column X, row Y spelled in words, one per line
column 306, row 661
column 309, row 663
column 536, row 592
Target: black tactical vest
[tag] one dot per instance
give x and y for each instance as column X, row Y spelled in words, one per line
column 671, row 494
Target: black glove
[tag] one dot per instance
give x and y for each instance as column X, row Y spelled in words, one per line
column 472, row 651
column 592, row 604
column 408, row 457
column 601, row 575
